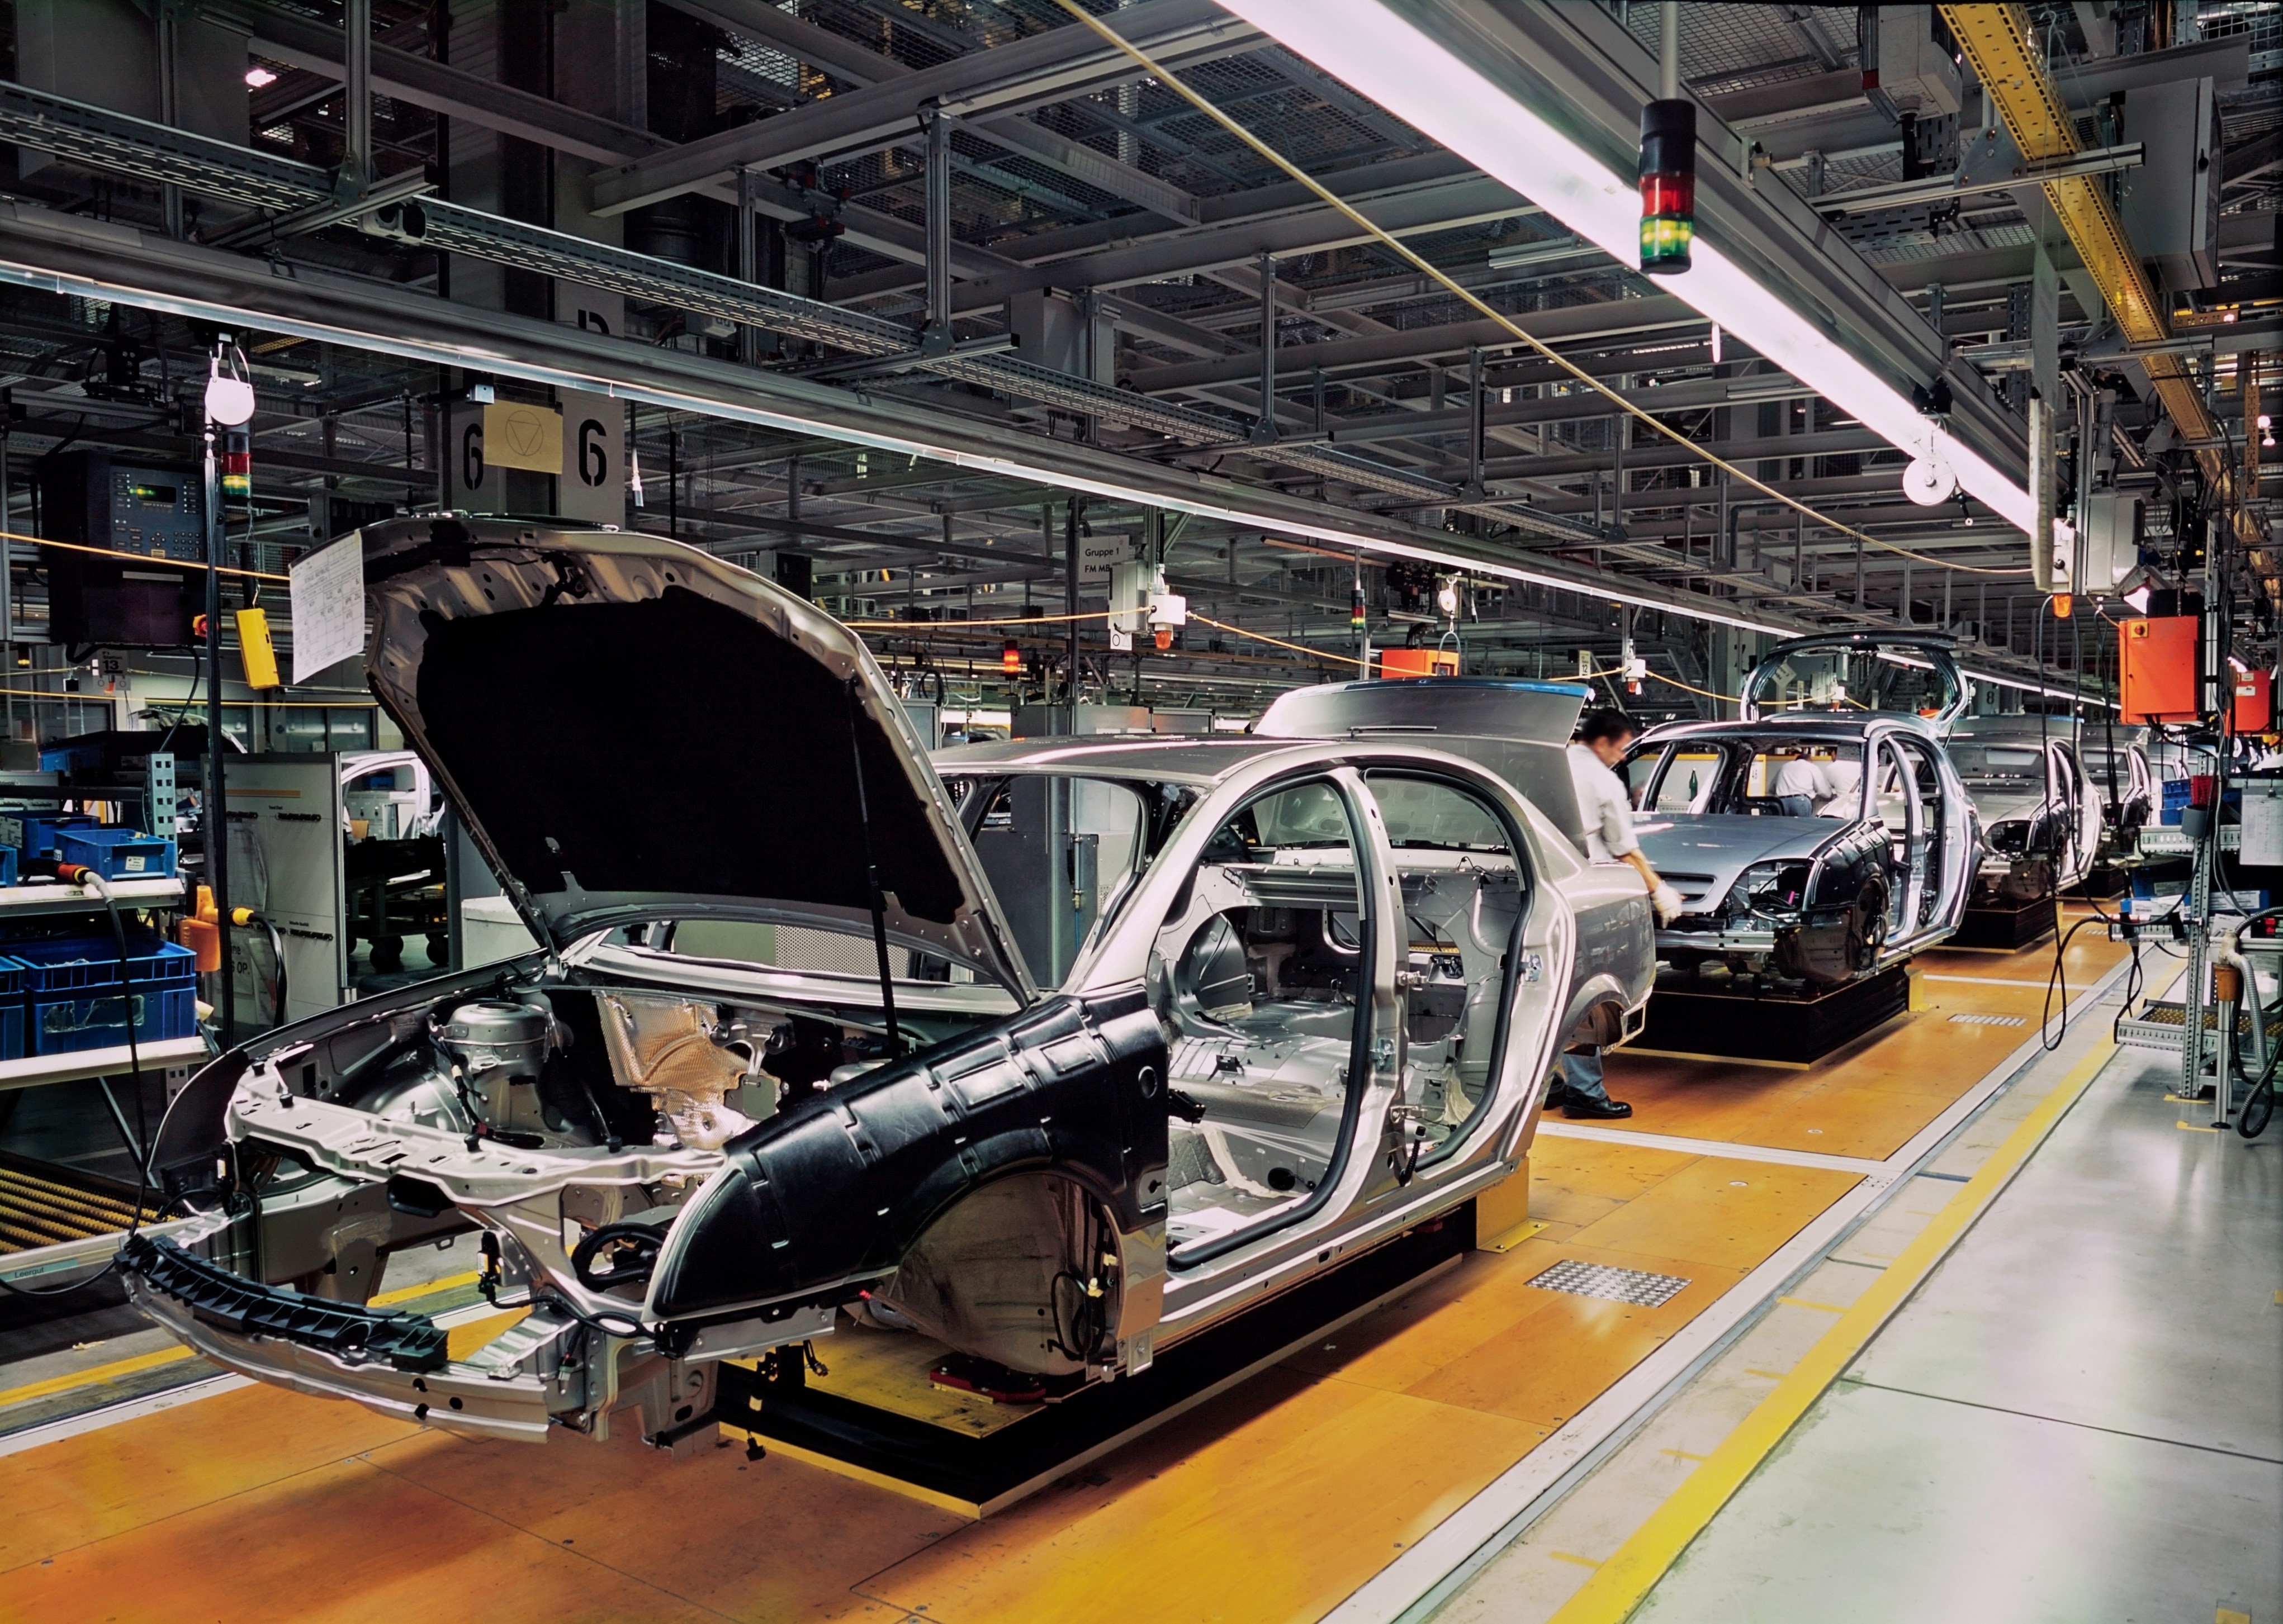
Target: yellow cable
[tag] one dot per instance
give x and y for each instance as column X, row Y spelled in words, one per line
column 892, row 625
column 1387, row 240
column 113, row 552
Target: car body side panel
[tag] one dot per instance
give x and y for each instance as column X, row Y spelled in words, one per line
column 830, row 1193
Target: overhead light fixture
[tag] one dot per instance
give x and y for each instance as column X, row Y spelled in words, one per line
column 257, row 76
column 1375, row 49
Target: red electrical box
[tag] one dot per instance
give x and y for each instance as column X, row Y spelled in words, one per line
column 2156, row 669
column 2255, row 701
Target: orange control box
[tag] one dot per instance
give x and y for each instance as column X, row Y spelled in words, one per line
column 1419, row 662
column 2255, row 701
column 2156, row 669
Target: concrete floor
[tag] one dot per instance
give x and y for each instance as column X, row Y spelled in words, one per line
column 2080, row 1415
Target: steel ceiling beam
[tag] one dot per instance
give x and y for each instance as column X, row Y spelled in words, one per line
column 848, row 60
column 1005, row 80
column 56, row 253
column 1578, row 68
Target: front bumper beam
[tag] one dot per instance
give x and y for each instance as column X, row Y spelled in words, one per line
column 389, row 1360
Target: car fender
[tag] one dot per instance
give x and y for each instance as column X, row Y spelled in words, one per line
column 826, row 1196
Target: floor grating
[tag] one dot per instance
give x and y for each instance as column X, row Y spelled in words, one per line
column 1634, row 1286
column 1973, row 1020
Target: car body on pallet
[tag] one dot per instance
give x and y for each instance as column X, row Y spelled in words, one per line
column 785, row 1053
column 2045, row 821
column 1873, row 860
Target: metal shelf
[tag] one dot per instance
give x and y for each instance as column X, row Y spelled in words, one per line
column 37, row 897
column 35, row 1071
column 2165, row 840
column 50, row 1265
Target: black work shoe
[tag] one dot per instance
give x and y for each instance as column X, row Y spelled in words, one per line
column 1599, row 1110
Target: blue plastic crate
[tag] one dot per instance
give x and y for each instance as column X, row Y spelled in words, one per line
column 118, row 854
column 11, row 1030
column 66, row 1025
column 70, row 963
column 7, row 865
column 33, row 834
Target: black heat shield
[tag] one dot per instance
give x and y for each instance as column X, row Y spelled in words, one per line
column 832, row 1193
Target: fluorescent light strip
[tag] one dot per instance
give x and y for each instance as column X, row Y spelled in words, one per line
column 560, row 377
column 1008, row 467
column 1370, row 48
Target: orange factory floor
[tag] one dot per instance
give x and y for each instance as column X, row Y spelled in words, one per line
column 1274, row 1501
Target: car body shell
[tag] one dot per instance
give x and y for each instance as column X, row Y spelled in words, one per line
column 1017, row 1120
column 2045, row 821
column 1862, row 890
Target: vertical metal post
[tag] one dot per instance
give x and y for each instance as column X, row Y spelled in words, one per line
column 749, row 338
column 1316, row 376
column 356, row 64
column 1475, row 421
column 1622, row 428
column 1071, row 521
column 215, row 822
column 1668, row 55
column 1264, row 427
column 935, row 337
column 674, row 482
column 170, row 195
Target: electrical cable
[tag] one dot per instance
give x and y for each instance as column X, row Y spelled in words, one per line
column 1396, row 245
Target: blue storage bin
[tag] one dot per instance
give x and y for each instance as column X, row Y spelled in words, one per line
column 11, row 1010
column 99, row 1020
column 33, row 834
column 7, row 865
column 68, row 964
column 118, row 854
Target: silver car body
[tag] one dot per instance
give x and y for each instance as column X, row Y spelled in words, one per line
column 1877, row 871
column 705, row 887
column 2043, row 815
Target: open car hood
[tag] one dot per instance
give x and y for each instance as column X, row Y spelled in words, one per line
column 633, row 729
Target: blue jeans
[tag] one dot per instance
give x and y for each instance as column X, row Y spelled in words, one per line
column 1798, row 805
column 1581, row 1074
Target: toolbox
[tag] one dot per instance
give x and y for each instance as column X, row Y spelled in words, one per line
column 117, row 854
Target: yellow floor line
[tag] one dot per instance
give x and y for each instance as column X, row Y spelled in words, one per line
column 1801, row 1302
column 1685, row 1455
column 1624, row 1581
column 1564, row 1556
column 1985, row 980
column 2199, row 1127
column 101, row 1372
column 426, row 1288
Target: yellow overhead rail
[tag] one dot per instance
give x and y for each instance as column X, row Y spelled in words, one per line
column 2001, row 44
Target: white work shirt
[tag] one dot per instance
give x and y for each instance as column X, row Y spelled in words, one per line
column 1602, row 804
column 1806, row 775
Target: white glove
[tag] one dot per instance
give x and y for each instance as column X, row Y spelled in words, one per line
column 1667, row 901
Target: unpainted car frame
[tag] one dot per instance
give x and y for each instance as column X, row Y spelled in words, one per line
column 603, row 1113
column 2046, row 823
column 1882, row 871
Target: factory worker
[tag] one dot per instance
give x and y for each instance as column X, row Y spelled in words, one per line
column 1608, row 813
column 1803, row 784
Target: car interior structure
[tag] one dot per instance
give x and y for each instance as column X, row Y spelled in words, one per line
column 1365, row 810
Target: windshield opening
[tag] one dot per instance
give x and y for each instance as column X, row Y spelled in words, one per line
column 1758, row 775
column 1063, row 851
